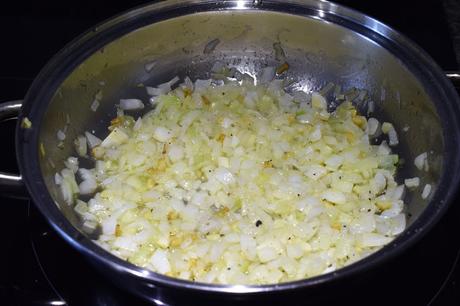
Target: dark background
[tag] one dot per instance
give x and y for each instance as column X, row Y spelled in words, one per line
column 32, row 31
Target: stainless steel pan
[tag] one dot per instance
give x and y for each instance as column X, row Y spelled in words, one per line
column 323, row 42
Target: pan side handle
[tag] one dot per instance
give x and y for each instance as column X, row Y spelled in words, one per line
column 454, row 77
column 11, row 185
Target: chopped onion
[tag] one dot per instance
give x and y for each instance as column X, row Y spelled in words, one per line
column 224, row 176
column 412, row 182
column 92, row 140
column 388, row 128
column 175, row 153
column 154, row 91
column 426, row 191
column 57, row 179
column 384, row 149
column 370, row 107
column 95, row 105
column 131, row 104
column 373, row 126
column 318, row 101
column 399, row 192
column 72, row 164
column 393, row 138
column 160, row 261
column 334, row 197
column 60, row 135
column 188, row 83
column 237, row 183
column 87, row 187
column 26, row 123
column 163, row 88
column 374, row 240
column 162, row 134
column 138, row 124
column 115, row 138
column 68, row 185
column 81, row 146
column 421, row 161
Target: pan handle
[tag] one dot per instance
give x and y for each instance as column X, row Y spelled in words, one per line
column 11, row 185
column 454, row 77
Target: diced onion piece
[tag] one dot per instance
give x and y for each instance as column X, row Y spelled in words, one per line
column 131, row 104
column 370, row 107
column 57, row 179
column 318, row 101
column 399, row 192
column 155, row 91
column 26, row 123
column 398, row 224
column 87, row 187
column 393, row 138
column 384, row 149
column 162, row 134
column 71, row 163
column 332, row 196
column 223, row 162
column 86, row 174
column 266, row 253
column 187, row 83
column 175, row 153
column 412, row 182
column 248, row 246
column 334, row 162
column 374, row 240
column 92, row 140
column 373, row 126
column 315, row 172
column 81, row 208
column 160, row 261
column 387, row 128
column 81, row 145
column 137, row 124
column 421, row 161
column 68, row 186
column 60, row 135
column 115, row 138
column 163, row 88
column 226, row 123
column 224, row 176
column 316, row 134
column 378, row 183
column 426, row 191
column 95, row 105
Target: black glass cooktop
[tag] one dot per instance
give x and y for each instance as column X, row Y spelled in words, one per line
column 41, row 269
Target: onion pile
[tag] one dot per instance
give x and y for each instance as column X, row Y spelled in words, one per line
column 237, row 183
